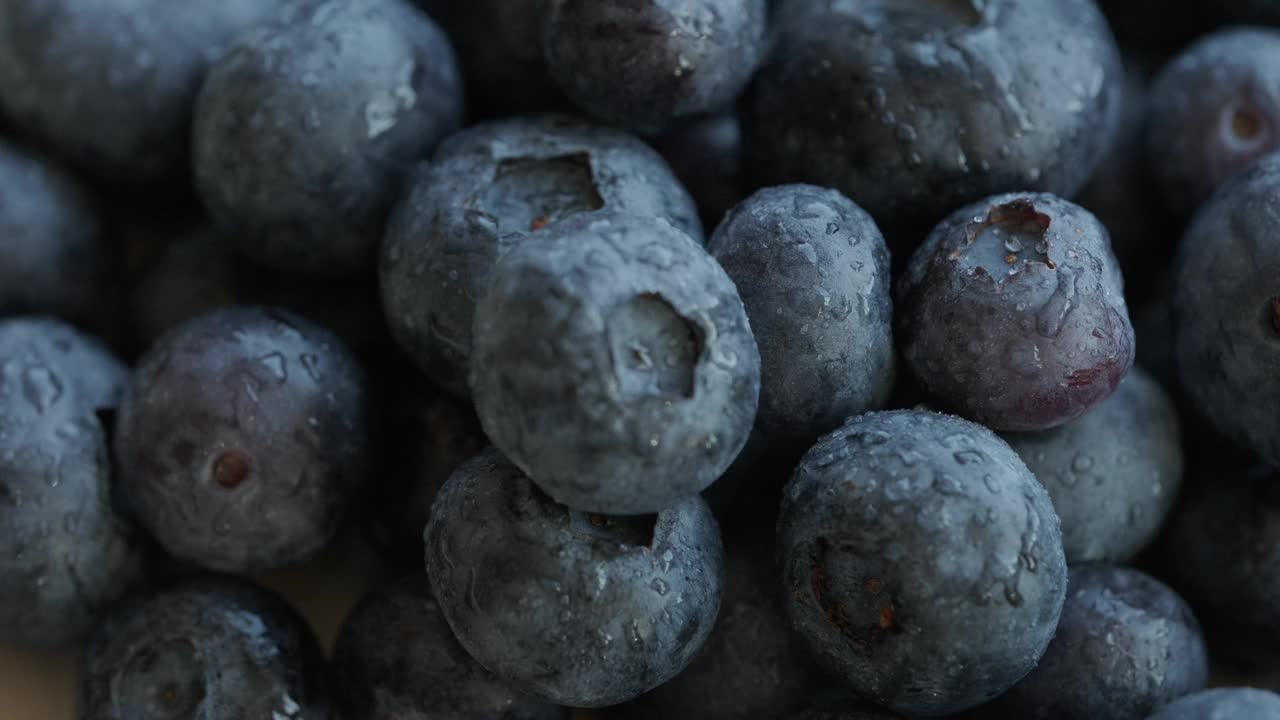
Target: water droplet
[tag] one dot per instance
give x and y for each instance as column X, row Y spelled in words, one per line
column 660, row 586
column 1082, row 463
column 311, row 363
column 41, row 388
column 990, row 482
column 276, row 363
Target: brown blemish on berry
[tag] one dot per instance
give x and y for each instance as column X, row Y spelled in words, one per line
column 230, row 470
column 598, row 521
column 539, row 222
column 886, row 619
column 874, row 586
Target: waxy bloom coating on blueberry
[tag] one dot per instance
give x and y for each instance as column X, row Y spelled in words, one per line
column 211, row 649
column 922, row 561
column 614, row 364
column 488, row 189
column 1013, row 314
column 1225, row 703
column 243, row 438
column 64, row 552
column 583, row 610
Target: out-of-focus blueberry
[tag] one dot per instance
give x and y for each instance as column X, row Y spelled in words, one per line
column 1224, row 703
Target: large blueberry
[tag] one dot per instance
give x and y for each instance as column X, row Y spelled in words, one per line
column 1223, row 703
column 583, row 610
column 922, row 561
column 614, row 364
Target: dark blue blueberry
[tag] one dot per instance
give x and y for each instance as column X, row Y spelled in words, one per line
column 1226, row 310
column 642, row 64
column 64, row 553
column 499, row 45
column 1013, row 313
column 1125, row 646
column 1214, row 110
column 706, row 154
column 1113, row 474
column 614, row 364
column 305, row 128
column 1224, row 703
column 211, row 649
column 752, row 665
column 916, row 107
column 922, row 561
column 111, row 83
column 583, row 610
column 813, row 272
column 243, row 439
column 55, row 257
column 489, row 188
column 397, row 659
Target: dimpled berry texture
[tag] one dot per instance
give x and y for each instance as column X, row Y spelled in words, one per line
column 923, row 562
column 583, row 610
column 1223, row 704
column 615, row 365
column 54, row 255
column 397, row 659
column 66, row 554
column 242, row 439
column 489, row 188
column 112, row 83
column 813, row 272
column 1226, row 309
column 753, row 665
column 306, row 127
column 915, row 107
column 1215, row 109
column 211, row 649
column 1125, row 646
column 1113, row 474
column 640, row 64
column 1013, row 313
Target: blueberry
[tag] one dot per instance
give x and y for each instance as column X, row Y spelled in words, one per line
column 243, row 438
column 813, row 272
column 1013, row 313
column 499, row 44
column 1223, row 703
column 396, row 657
column 1215, row 109
column 1113, row 474
column 485, row 191
column 305, row 128
column 915, row 107
column 55, row 257
column 641, row 64
column 922, row 561
column 582, row 610
column 1125, row 646
column 1226, row 310
column 706, row 154
column 66, row 553
column 212, row 649
column 752, row 665
column 112, row 83
column 614, row 364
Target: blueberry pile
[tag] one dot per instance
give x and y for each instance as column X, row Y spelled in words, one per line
column 722, row 359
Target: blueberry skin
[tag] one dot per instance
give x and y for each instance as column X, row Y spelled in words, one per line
column 582, row 610
column 243, row 439
column 1226, row 309
column 813, row 272
column 397, row 659
column 305, row 128
column 614, row 364
column 55, row 257
column 1249, row 703
column 487, row 189
column 641, row 64
column 499, row 44
column 752, row 665
column 1215, row 109
column 1126, row 645
column 1113, row 474
column 706, row 154
column 112, row 83
column 1013, row 313
column 66, row 553
column 922, row 561
column 914, row 108
column 210, row 649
